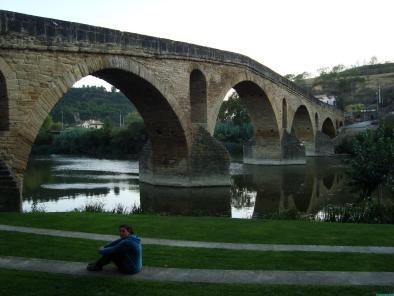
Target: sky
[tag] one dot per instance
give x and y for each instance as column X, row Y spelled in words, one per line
column 288, row 36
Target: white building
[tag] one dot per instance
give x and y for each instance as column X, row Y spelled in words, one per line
column 331, row 100
column 91, row 123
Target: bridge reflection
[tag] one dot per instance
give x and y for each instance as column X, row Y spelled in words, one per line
column 211, row 201
column 260, row 192
column 255, row 192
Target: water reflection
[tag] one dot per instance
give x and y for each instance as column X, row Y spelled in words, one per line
column 212, row 201
column 65, row 183
column 302, row 188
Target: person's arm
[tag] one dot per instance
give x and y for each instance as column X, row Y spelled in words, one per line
column 118, row 248
column 111, row 244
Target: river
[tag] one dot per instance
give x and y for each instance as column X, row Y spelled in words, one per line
column 65, row 183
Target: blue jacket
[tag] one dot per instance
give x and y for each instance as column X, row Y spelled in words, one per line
column 131, row 248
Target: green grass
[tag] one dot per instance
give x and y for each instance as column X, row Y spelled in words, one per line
column 214, row 229
column 35, row 283
column 71, row 249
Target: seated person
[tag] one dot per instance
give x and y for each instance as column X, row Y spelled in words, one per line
column 125, row 252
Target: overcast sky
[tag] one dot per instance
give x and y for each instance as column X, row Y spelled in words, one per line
column 288, row 36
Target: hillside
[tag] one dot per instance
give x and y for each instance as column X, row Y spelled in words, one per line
column 85, row 103
column 354, row 85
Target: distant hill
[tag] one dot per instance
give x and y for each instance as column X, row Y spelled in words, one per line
column 354, row 85
column 80, row 104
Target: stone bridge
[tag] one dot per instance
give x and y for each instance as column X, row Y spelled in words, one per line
column 177, row 87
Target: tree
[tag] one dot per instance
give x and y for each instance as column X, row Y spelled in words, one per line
column 300, row 80
column 373, row 60
column 233, row 110
column 299, row 77
column 373, row 163
column 338, row 68
column 133, row 117
column 47, row 123
column 290, row 77
column 108, row 125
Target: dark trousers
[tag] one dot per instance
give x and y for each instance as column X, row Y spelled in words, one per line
column 117, row 259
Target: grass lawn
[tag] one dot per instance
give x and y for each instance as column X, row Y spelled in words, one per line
column 214, row 229
column 71, row 249
column 35, row 283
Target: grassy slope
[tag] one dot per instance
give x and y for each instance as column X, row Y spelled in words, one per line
column 33, row 283
column 57, row 248
column 214, row 229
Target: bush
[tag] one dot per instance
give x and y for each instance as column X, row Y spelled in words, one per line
column 370, row 212
column 372, row 164
column 345, row 146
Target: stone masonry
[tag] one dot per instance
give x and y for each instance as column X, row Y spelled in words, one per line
column 177, row 87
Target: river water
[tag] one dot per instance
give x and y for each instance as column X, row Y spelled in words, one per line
column 64, row 183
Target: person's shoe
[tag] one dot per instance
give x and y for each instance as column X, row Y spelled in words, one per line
column 93, row 267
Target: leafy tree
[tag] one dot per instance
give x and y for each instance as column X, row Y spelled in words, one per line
column 300, row 80
column 373, row 60
column 373, row 163
column 290, row 76
column 46, row 126
column 233, row 110
column 233, row 126
column 108, row 125
column 133, row 117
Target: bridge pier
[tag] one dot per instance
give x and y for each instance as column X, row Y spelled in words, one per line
column 310, row 148
column 324, row 145
column 207, row 164
column 270, row 151
column 10, row 193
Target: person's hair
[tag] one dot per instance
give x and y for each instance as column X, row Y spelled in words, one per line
column 127, row 227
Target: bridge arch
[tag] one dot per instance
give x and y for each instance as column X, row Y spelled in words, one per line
column 229, row 84
column 302, row 127
column 198, row 97
column 4, row 109
column 260, row 110
column 302, row 124
column 284, row 114
column 328, row 128
column 160, row 111
column 265, row 145
column 7, row 80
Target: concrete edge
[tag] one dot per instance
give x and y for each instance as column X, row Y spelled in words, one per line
column 207, row 275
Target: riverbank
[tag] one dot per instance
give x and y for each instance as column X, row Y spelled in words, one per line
column 210, row 229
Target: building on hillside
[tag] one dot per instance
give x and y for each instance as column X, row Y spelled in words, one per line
column 91, row 123
column 331, row 100
column 366, row 113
